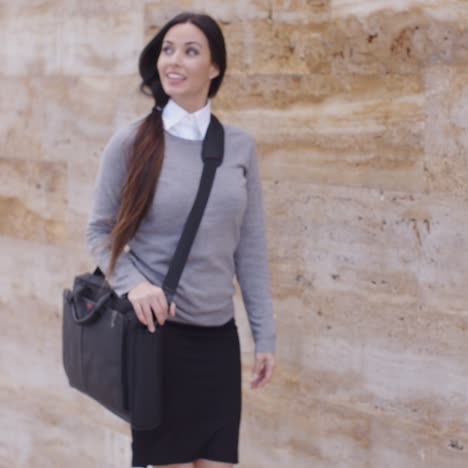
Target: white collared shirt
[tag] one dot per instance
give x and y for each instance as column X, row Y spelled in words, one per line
column 191, row 126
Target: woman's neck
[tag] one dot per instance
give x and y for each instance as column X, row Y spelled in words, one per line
column 190, row 106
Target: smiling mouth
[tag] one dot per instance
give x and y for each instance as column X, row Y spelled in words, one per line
column 175, row 76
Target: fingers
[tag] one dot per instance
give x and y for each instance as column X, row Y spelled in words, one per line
column 149, row 302
column 263, row 369
column 159, row 308
column 148, row 310
column 257, row 373
column 139, row 312
column 172, row 310
column 268, row 373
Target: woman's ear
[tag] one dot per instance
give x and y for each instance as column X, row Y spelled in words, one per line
column 214, row 71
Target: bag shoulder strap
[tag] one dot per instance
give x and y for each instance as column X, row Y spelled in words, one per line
column 212, row 155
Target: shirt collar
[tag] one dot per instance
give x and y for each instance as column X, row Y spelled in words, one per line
column 174, row 114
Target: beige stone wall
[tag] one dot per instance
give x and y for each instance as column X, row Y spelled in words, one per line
column 360, row 112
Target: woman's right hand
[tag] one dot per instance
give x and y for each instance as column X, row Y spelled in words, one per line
column 148, row 299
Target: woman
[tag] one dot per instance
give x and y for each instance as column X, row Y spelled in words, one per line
column 147, row 181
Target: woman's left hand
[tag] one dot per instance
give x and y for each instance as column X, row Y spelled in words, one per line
column 263, row 369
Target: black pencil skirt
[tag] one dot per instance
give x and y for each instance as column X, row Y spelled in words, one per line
column 202, row 398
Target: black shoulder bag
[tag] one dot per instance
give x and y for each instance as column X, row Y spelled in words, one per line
column 105, row 348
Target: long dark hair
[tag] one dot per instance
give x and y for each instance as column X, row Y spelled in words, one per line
column 147, row 154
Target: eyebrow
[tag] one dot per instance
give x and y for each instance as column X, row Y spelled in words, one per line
column 187, row 43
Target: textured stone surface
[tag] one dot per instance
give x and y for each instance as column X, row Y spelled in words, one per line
column 360, row 113
column 52, row 118
column 32, row 200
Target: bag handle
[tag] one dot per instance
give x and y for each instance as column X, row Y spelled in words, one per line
column 93, row 311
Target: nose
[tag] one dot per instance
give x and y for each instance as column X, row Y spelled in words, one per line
column 176, row 57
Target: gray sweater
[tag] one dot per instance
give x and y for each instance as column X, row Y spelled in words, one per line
column 230, row 240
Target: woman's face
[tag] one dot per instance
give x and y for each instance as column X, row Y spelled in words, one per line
column 185, row 67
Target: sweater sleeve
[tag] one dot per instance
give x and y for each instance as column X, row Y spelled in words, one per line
column 106, row 201
column 252, row 263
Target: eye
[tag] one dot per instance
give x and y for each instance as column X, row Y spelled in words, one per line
column 167, row 49
column 192, row 51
